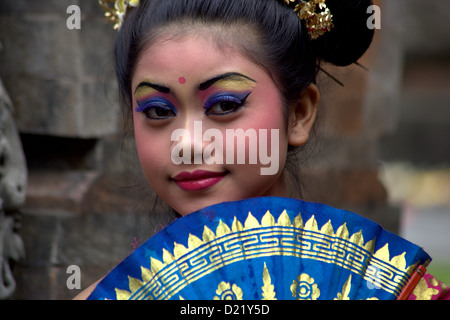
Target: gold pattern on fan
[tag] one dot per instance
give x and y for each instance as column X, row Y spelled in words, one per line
column 252, row 239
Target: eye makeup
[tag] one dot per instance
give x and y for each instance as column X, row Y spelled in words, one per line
column 151, row 103
column 229, row 81
column 223, row 103
column 221, row 95
column 226, row 93
column 146, row 88
column 157, row 108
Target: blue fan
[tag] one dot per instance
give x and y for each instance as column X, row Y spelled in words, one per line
column 266, row 248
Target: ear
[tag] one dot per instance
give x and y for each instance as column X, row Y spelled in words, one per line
column 302, row 116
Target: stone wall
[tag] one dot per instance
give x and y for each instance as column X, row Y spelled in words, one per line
column 82, row 204
column 79, row 203
column 57, row 77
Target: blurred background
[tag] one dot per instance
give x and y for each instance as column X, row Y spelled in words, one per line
column 71, row 190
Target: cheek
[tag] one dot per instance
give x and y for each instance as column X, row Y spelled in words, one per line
column 150, row 150
column 264, row 121
column 268, row 113
column 271, row 117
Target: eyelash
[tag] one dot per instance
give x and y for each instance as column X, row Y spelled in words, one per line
column 160, row 104
column 235, row 98
column 156, row 104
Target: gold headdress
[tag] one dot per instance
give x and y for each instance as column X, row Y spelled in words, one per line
column 315, row 13
column 116, row 13
column 317, row 21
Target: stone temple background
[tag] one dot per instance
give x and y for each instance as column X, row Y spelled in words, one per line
column 383, row 146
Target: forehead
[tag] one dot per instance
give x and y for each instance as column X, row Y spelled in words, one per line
column 188, row 56
column 184, row 47
column 231, row 39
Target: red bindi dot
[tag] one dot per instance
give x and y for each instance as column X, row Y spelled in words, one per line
column 182, row 80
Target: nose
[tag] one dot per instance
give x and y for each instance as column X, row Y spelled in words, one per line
column 188, row 144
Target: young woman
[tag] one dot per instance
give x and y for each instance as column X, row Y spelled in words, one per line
column 221, row 94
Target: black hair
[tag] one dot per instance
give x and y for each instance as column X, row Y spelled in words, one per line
column 282, row 43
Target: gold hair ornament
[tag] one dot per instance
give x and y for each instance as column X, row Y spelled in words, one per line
column 116, row 13
column 316, row 15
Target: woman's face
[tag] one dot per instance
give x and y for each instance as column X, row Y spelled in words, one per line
column 209, row 124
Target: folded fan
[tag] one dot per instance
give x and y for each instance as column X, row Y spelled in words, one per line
column 266, row 248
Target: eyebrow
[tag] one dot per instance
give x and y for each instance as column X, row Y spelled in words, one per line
column 226, row 76
column 157, row 87
column 202, row 87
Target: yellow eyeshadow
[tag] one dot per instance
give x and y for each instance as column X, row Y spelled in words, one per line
column 144, row 91
column 235, row 84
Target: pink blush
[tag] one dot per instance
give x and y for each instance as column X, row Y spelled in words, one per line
column 182, row 80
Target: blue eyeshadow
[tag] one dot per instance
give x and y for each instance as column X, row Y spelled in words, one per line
column 238, row 98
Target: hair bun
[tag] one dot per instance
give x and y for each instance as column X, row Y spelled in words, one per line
column 350, row 37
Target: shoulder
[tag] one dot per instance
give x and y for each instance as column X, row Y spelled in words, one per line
column 87, row 292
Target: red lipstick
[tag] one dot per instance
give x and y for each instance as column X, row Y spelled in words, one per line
column 198, row 180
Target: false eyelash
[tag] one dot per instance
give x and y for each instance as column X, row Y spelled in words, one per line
column 238, row 98
column 155, row 102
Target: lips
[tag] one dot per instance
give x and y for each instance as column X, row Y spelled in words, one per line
column 198, row 180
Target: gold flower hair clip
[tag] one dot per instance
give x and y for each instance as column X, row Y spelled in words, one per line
column 316, row 15
column 116, row 13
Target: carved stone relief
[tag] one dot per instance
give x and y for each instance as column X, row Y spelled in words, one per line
column 13, row 180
